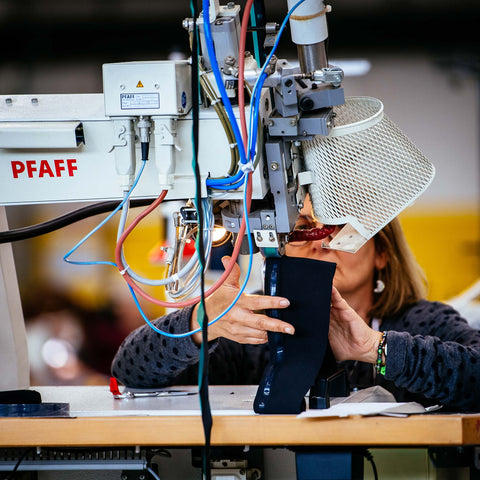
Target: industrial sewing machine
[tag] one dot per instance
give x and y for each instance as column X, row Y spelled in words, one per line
column 304, row 136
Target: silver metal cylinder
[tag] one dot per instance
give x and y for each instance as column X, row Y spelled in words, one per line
column 312, row 57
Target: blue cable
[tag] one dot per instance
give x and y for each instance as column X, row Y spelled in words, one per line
column 235, row 300
column 253, row 125
column 238, row 180
column 261, row 79
column 223, row 93
column 101, row 224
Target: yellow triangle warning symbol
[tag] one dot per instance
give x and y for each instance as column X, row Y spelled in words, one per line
column 139, row 84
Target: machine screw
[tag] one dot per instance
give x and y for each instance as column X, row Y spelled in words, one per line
column 187, row 24
column 34, row 101
column 8, row 101
column 122, row 87
column 270, row 123
column 293, row 122
column 180, row 110
column 230, row 5
column 229, row 60
column 274, row 166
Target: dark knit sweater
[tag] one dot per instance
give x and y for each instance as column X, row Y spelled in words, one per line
column 433, row 357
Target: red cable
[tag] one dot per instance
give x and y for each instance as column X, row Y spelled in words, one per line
column 241, row 232
column 192, row 301
column 241, row 71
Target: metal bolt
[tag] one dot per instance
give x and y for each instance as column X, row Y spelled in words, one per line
column 267, row 217
column 271, row 237
column 259, row 237
column 293, row 122
column 180, row 110
column 141, row 477
column 270, row 123
column 34, row 101
column 230, row 60
column 230, row 5
column 124, row 477
column 122, row 87
column 232, row 225
column 157, row 86
column 187, row 24
column 8, row 101
column 274, row 166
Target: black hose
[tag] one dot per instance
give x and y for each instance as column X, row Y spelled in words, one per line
column 49, row 226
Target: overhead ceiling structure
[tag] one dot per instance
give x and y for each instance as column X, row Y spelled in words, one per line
column 117, row 30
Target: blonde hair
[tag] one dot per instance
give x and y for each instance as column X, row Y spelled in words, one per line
column 405, row 281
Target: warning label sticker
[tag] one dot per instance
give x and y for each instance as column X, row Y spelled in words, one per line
column 133, row 101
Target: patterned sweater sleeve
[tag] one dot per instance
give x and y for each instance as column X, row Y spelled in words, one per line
column 434, row 352
column 149, row 359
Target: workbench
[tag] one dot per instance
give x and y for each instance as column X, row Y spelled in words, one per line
column 98, row 420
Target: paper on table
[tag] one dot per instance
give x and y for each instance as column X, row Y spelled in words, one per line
column 366, row 408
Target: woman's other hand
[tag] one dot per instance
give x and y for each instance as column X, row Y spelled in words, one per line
column 241, row 324
column 350, row 336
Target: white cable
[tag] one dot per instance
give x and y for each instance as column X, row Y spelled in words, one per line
column 191, row 269
column 153, row 473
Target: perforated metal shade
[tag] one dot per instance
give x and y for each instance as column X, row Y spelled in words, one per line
column 365, row 172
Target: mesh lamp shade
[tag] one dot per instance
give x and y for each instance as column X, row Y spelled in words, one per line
column 364, row 173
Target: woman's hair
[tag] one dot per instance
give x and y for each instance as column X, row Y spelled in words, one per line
column 405, row 282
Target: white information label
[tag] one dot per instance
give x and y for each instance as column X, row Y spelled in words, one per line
column 133, row 101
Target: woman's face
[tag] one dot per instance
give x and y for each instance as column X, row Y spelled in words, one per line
column 355, row 271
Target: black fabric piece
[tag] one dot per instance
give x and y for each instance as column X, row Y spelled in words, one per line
column 20, row 396
column 295, row 360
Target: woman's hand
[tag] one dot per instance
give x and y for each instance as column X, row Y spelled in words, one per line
column 350, row 336
column 241, row 323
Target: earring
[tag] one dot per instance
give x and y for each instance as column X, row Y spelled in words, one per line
column 380, row 287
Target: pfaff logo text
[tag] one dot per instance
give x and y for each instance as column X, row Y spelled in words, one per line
column 44, row 168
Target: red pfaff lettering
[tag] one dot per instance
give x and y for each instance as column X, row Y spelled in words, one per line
column 71, row 166
column 44, row 169
column 59, row 168
column 31, row 168
column 17, row 168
